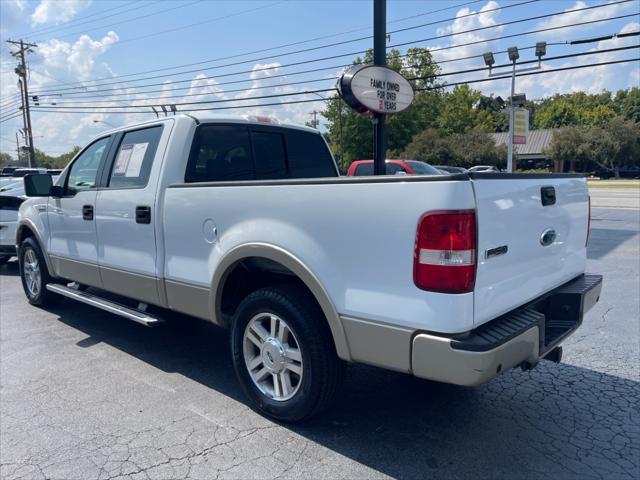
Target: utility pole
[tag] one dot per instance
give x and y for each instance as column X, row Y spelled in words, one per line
column 17, row 149
column 379, row 58
column 315, row 118
column 21, row 71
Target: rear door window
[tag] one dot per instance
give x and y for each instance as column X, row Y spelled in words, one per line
column 220, row 153
column 269, row 154
column 309, row 156
column 134, row 159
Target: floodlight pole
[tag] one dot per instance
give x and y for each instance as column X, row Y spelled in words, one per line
column 379, row 58
column 510, row 163
column 510, row 166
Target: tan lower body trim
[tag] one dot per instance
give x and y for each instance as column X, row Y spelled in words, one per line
column 78, row 271
column 378, row 344
column 189, row 299
column 143, row 288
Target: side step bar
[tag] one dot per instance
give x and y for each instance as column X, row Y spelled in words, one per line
column 107, row 305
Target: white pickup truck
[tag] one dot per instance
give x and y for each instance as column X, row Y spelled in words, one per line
column 246, row 223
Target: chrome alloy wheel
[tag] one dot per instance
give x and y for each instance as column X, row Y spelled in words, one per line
column 272, row 356
column 32, row 273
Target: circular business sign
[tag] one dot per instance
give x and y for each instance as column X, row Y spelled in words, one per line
column 374, row 88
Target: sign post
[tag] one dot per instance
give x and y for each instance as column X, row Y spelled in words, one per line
column 376, row 90
column 379, row 58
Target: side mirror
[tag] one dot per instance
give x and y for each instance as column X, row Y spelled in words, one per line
column 38, row 185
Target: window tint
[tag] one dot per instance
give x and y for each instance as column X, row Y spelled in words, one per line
column 367, row 169
column 220, row 152
column 423, row 168
column 269, row 154
column 84, row 170
column 135, row 157
column 309, row 156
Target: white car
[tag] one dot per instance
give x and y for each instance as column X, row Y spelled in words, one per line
column 11, row 197
column 484, row 168
column 246, row 223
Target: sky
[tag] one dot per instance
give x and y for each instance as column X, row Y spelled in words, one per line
column 112, row 53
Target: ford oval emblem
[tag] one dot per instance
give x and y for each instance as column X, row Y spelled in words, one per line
column 548, row 237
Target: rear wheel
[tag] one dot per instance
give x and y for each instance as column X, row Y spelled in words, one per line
column 283, row 353
column 34, row 274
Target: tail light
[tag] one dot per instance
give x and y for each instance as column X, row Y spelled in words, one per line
column 586, row 242
column 445, row 251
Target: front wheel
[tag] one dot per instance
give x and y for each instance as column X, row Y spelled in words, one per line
column 34, row 274
column 283, row 353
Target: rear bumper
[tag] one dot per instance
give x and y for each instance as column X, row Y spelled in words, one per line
column 522, row 336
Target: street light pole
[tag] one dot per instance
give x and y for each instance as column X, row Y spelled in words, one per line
column 489, row 60
column 511, row 121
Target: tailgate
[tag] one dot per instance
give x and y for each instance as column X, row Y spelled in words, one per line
column 526, row 248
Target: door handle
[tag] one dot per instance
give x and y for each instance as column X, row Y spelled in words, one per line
column 143, row 214
column 87, row 212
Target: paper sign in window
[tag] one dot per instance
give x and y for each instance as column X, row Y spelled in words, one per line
column 123, row 159
column 135, row 161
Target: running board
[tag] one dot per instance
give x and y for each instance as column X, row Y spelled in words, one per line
column 107, row 305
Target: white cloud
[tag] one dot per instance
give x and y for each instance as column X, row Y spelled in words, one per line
column 57, row 11
column 582, row 16
column 11, row 12
column 588, row 79
column 79, row 58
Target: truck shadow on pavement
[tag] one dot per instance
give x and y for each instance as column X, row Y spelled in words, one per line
column 560, row 420
column 602, row 241
column 10, row 269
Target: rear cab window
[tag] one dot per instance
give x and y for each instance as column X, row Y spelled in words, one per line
column 254, row 152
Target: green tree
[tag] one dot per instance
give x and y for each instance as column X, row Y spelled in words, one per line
column 615, row 144
column 568, row 147
column 5, row 159
column 357, row 131
column 627, row 104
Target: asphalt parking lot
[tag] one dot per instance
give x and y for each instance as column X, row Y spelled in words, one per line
column 85, row 394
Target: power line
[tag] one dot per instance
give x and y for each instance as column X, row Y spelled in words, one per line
column 422, row 89
column 168, row 101
column 337, row 56
column 202, row 102
column 539, row 72
column 2, row 120
column 335, row 66
column 152, row 14
column 203, row 109
column 75, row 22
column 332, row 35
column 351, row 53
column 304, row 92
column 305, row 50
column 354, row 53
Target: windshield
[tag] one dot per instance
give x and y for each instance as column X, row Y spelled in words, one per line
column 423, row 168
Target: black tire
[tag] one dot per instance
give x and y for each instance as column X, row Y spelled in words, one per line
column 42, row 297
column 321, row 367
